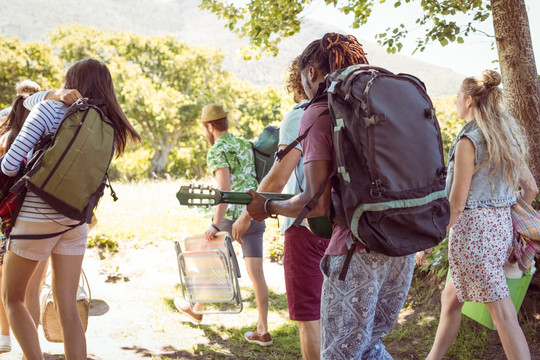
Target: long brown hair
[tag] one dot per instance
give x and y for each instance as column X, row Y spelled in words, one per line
column 11, row 125
column 93, row 80
column 332, row 52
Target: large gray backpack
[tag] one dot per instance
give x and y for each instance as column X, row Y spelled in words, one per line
column 390, row 163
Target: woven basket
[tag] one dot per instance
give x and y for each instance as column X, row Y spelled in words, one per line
column 49, row 317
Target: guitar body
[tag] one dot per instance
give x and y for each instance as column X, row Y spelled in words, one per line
column 200, row 195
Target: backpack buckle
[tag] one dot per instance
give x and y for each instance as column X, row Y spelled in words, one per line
column 375, row 189
column 429, row 113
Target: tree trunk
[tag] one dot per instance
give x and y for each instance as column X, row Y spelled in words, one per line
column 158, row 162
column 518, row 69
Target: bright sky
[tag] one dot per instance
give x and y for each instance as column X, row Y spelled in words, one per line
column 469, row 58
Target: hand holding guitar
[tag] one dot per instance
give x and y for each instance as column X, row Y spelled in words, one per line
column 256, row 207
column 200, row 195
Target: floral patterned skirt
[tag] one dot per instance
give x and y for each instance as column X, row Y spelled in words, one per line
column 480, row 243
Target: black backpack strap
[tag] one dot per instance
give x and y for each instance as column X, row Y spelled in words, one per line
column 311, row 203
column 45, row 236
column 283, row 152
column 347, row 262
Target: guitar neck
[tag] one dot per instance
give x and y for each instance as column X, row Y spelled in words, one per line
column 199, row 195
column 243, row 198
column 206, row 196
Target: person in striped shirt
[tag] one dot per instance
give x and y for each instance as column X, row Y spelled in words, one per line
column 89, row 79
column 10, row 126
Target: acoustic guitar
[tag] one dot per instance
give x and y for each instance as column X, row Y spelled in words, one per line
column 202, row 195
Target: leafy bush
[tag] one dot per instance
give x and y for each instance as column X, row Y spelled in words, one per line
column 536, row 203
column 438, row 259
column 273, row 241
column 103, row 242
column 448, row 121
column 133, row 165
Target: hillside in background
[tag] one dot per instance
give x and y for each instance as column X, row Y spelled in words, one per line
column 30, row 20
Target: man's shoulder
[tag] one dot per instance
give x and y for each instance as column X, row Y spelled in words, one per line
column 314, row 111
column 317, row 108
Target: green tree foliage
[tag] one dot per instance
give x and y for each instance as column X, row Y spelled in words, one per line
column 448, row 121
column 163, row 84
column 265, row 23
column 19, row 61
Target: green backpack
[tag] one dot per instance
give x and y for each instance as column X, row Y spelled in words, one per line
column 264, row 150
column 68, row 169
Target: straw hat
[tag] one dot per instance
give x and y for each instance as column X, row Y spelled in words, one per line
column 212, row 112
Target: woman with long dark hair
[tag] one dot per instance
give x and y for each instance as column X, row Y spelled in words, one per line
column 89, row 79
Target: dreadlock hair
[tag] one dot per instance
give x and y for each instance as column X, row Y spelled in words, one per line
column 11, row 125
column 294, row 81
column 332, row 52
column 504, row 136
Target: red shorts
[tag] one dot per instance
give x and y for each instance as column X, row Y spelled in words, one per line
column 302, row 255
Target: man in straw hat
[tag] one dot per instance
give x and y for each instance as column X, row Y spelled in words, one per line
column 231, row 160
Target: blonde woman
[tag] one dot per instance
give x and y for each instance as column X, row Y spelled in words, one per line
column 486, row 168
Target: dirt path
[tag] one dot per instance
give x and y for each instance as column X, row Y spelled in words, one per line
column 133, row 318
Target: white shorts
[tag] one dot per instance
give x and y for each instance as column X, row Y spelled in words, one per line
column 72, row 242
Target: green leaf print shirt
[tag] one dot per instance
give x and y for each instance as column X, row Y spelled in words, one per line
column 236, row 154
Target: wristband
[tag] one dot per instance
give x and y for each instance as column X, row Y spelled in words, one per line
column 266, row 203
column 215, row 227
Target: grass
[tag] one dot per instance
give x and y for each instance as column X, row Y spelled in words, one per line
column 412, row 336
column 147, row 214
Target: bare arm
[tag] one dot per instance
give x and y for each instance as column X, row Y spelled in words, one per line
column 316, row 174
column 529, row 188
column 279, row 174
column 274, row 181
column 67, row 96
column 223, row 179
column 463, row 172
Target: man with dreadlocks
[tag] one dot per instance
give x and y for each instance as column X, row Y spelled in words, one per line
column 302, row 250
column 358, row 312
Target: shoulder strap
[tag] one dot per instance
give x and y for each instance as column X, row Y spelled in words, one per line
column 311, row 203
column 283, row 152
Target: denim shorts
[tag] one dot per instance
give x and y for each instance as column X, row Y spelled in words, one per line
column 252, row 246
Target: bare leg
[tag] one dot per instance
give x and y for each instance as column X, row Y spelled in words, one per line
column 31, row 299
column 255, row 271
column 66, row 272
column 17, row 274
column 310, row 339
column 449, row 322
column 4, row 323
column 505, row 320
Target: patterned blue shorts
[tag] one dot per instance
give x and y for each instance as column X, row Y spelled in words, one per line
column 357, row 312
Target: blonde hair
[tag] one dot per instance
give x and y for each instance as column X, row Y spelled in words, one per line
column 27, row 87
column 504, row 136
